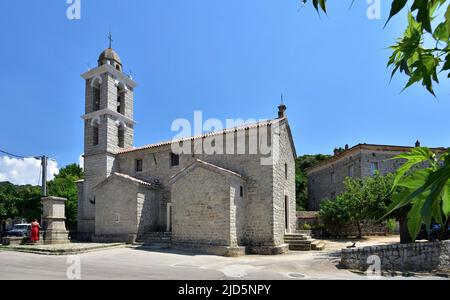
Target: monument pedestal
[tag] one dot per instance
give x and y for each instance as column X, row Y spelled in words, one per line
column 54, row 219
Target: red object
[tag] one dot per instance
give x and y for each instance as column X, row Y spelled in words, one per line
column 34, row 232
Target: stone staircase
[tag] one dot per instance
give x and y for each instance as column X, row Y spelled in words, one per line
column 156, row 240
column 303, row 242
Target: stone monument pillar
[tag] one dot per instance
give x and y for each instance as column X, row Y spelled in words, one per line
column 54, row 217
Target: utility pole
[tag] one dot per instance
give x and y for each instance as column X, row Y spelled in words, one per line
column 44, row 175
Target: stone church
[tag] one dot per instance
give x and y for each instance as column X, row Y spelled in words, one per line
column 226, row 202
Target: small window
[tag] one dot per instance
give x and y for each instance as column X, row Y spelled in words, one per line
column 121, row 137
column 139, row 165
column 120, row 102
column 174, row 160
column 241, row 191
column 374, row 167
column 333, row 177
column 351, row 171
column 96, row 99
column 286, row 171
column 95, row 135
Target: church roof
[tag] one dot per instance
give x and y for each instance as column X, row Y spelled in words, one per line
column 209, row 134
column 205, row 165
column 153, row 184
column 137, row 180
column 109, row 54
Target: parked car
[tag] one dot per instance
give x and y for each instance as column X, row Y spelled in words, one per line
column 19, row 230
column 433, row 235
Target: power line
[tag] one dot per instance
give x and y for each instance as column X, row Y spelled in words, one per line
column 10, row 154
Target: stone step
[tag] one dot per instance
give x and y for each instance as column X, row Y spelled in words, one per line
column 297, row 238
column 306, row 242
column 156, row 245
column 304, row 247
column 318, row 247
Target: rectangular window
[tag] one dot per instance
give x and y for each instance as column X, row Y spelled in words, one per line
column 95, row 135
column 286, row 171
column 174, row 160
column 333, row 177
column 120, row 102
column 139, row 165
column 351, row 171
column 121, row 138
column 96, row 99
column 241, row 191
column 374, row 167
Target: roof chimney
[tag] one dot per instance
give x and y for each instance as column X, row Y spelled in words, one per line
column 282, row 109
column 417, row 144
column 347, row 147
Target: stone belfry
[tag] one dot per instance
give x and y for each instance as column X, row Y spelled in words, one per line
column 108, row 129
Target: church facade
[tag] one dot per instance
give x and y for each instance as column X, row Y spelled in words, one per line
column 224, row 202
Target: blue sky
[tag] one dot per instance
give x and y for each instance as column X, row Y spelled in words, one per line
column 230, row 59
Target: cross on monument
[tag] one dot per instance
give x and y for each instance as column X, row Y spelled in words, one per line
column 110, row 40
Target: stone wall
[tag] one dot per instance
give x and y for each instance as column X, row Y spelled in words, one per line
column 310, row 218
column 284, row 186
column 123, row 208
column 418, row 257
column 349, row 229
column 320, row 185
column 201, row 209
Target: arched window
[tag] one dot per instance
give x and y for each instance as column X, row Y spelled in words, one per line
column 96, row 84
column 121, row 136
column 95, row 135
column 120, row 101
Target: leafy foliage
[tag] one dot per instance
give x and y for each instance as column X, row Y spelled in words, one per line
column 25, row 201
column 362, row 199
column 425, row 192
column 63, row 185
column 301, row 181
column 424, row 48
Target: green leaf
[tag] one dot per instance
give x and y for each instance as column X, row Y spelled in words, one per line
column 441, row 33
column 423, row 13
column 323, row 5
column 446, row 200
column 415, row 219
column 447, row 17
column 397, row 6
column 416, row 156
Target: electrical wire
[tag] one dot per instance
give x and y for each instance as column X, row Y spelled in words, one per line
column 10, row 154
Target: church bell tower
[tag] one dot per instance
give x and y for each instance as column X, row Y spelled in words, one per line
column 108, row 129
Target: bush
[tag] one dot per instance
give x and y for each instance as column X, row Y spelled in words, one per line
column 391, row 225
column 307, row 227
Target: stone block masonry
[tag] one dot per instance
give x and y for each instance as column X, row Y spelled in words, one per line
column 417, row 257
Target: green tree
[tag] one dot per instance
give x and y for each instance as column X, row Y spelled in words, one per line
column 63, row 185
column 365, row 199
column 18, row 201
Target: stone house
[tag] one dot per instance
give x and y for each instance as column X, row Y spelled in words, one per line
column 224, row 202
column 326, row 180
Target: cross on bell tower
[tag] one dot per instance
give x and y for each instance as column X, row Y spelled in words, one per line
column 110, row 40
